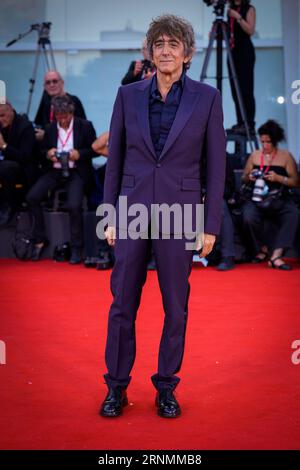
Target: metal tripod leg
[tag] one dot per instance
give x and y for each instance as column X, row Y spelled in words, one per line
column 33, row 79
column 212, row 37
column 50, row 65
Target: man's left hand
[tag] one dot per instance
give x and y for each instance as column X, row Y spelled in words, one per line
column 74, row 155
column 206, row 242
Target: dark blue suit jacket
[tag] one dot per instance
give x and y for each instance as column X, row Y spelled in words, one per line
column 197, row 136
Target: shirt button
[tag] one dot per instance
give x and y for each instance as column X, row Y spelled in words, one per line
column 158, row 165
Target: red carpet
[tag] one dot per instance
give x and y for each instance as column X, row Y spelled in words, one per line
column 239, row 389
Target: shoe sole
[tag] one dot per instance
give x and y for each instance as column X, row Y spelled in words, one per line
column 169, row 416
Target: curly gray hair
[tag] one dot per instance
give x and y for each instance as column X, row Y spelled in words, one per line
column 172, row 26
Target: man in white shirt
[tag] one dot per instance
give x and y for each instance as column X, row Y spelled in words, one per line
column 67, row 143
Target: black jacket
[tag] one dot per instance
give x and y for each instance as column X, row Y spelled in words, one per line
column 42, row 117
column 84, row 135
column 20, row 139
column 129, row 77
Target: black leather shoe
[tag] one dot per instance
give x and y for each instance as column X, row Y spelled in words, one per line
column 167, row 405
column 114, row 403
column 75, row 256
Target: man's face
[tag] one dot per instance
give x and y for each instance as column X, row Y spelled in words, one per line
column 6, row 115
column 168, row 55
column 64, row 119
column 53, row 84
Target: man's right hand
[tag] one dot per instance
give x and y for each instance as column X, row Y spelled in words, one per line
column 39, row 134
column 51, row 155
column 110, row 235
column 138, row 66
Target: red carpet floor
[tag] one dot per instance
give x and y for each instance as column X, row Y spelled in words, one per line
column 239, row 388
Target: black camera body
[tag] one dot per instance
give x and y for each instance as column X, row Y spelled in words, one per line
column 147, row 66
column 63, row 158
column 219, row 6
column 257, row 173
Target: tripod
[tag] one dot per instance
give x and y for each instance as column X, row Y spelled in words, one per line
column 219, row 32
column 44, row 47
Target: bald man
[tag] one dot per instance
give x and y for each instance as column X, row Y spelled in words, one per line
column 53, row 86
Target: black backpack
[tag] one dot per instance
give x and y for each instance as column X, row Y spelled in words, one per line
column 22, row 242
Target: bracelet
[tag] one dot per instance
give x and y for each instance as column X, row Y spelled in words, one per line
column 4, row 146
column 285, row 180
column 239, row 19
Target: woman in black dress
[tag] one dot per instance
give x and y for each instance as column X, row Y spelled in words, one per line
column 241, row 24
column 279, row 171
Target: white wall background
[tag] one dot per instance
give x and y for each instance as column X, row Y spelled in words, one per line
column 95, row 40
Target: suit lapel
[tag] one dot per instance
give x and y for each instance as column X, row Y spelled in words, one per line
column 186, row 106
column 142, row 104
column 54, row 135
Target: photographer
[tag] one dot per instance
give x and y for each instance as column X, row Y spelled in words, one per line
column 16, row 157
column 139, row 69
column 68, row 143
column 271, row 170
column 241, row 25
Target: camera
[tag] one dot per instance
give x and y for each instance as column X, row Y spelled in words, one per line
column 219, row 6
column 257, row 173
column 147, row 66
column 63, row 158
column 260, row 189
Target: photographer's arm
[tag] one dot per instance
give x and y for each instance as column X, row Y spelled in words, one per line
column 86, row 152
column 100, row 146
column 247, row 25
column 292, row 180
column 48, row 152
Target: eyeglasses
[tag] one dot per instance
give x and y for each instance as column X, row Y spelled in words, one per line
column 54, row 81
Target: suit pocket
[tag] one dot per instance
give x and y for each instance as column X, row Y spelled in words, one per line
column 128, row 181
column 190, row 184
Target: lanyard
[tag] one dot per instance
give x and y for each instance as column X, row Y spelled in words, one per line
column 262, row 162
column 63, row 143
column 51, row 117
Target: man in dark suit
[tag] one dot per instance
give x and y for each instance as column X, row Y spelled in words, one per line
column 16, row 157
column 162, row 130
column 74, row 136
